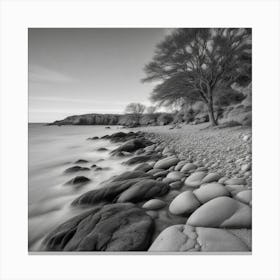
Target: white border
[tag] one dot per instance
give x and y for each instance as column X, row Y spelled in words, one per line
column 17, row 16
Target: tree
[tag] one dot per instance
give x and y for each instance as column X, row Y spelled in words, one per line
column 191, row 64
column 135, row 110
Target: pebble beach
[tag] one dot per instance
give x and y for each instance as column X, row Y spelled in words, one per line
column 187, row 190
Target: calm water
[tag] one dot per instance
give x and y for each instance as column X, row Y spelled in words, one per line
column 52, row 149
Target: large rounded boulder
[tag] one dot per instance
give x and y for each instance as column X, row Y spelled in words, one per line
column 114, row 227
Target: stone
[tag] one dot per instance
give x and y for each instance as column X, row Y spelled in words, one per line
column 209, row 191
column 235, row 181
column 179, row 165
column 76, row 168
column 184, row 203
column 222, row 180
column 194, row 180
column 102, row 149
column 155, row 171
column 246, row 167
column 176, row 185
column 143, row 190
column 78, row 181
column 131, row 145
column 154, row 204
column 113, row 227
column 175, row 175
column 130, row 175
column 222, row 212
column 144, row 167
column 165, row 163
column 244, row 196
column 219, row 240
column 211, row 177
column 188, row 167
column 80, row 161
column 176, row 238
column 234, row 189
column 137, row 159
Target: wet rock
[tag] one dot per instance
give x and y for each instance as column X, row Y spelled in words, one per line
column 132, row 145
column 93, row 138
column 184, row 203
column 143, row 190
column 138, row 159
column 195, row 179
column 81, row 161
column 131, row 175
column 155, row 171
column 165, row 163
column 154, row 204
column 102, row 149
column 114, row 227
column 78, row 180
column 144, row 167
column 209, row 191
column 76, row 168
column 222, row 212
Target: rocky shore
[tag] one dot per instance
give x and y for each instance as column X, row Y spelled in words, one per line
column 190, row 191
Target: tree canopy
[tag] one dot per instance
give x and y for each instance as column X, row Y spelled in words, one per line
column 191, row 64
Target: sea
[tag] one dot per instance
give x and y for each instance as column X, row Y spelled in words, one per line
column 53, row 149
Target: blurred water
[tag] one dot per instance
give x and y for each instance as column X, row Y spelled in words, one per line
column 52, row 149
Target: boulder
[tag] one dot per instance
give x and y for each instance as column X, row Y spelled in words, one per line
column 209, row 191
column 175, row 175
column 76, row 168
column 188, row 167
column 184, row 203
column 80, row 161
column 211, row 177
column 222, row 212
column 165, row 163
column 138, row 159
column 219, row 240
column 144, row 167
column 185, row 238
column 107, row 193
column 195, row 179
column 244, row 196
column 78, row 181
column 143, row 190
column 176, row 238
column 113, row 227
column 176, row 185
column 235, row 181
column 132, row 145
column 102, row 149
column 154, row 204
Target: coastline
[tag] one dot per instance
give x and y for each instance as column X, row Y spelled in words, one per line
column 168, row 186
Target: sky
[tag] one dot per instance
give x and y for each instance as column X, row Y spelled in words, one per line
column 79, row 71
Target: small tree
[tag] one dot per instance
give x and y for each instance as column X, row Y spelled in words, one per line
column 135, row 110
column 194, row 62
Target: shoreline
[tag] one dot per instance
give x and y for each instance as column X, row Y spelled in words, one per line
column 168, row 187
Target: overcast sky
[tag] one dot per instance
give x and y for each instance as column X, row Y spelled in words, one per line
column 78, row 71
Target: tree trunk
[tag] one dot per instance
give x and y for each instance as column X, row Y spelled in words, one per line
column 211, row 115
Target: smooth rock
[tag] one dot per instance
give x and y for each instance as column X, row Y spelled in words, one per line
column 154, row 204
column 78, row 180
column 165, row 163
column 219, row 240
column 211, row 177
column 244, row 196
column 194, row 180
column 76, row 169
column 235, row 181
column 176, row 185
column 188, row 167
column 209, row 191
column 175, row 176
column 184, row 203
column 222, row 212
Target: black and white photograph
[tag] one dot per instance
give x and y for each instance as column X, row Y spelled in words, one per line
column 140, row 140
